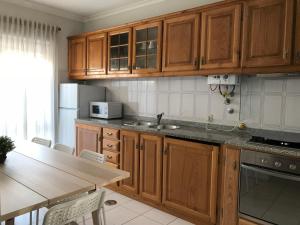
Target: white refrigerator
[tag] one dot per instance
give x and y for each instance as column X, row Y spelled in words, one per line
column 74, row 100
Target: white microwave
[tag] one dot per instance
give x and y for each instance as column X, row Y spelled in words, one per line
column 106, row 110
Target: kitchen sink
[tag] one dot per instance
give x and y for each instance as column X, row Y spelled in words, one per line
column 165, row 126
column 151, row 125
column 139, row 123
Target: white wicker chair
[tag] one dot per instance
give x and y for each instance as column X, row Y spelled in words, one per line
column 70, row 212
column 93, row 156
column 42, row 141
column 64, row 148
column 47, row 143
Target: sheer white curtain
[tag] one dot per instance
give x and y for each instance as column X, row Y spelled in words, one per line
column 27, row 78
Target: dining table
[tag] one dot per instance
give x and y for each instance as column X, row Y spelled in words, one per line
column 35, row 176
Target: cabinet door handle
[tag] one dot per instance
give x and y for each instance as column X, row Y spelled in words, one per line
column 298, row 55
column 142, row 147
column 109, row 157
column 235, row 165
column 196, row 62
column 285, row 54
column 201, row 61
column 109, row 134
column 108, row 145
column 137, row 146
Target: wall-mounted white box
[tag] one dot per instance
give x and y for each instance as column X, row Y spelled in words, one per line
column 223, row 80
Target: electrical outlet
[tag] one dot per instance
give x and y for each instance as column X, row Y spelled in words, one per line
column 210, row 118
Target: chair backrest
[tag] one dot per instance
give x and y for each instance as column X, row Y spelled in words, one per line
column 42, row 141
column 64, row 148
column 68, row 212
column 93, row 156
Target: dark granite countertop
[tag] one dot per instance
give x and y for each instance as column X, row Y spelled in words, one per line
column 214, row 135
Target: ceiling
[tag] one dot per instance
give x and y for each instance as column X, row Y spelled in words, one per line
column 86, row 8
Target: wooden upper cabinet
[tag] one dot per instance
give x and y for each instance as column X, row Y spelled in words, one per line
column 180, row 43
column 88, row 137
column 150, row 167
column 96, row 54
column 190, row 179
column 130, row 160
column 220, row 38
column 267, row 33
column 297, row 38
column 119, row 51
column 77, row 57
column 146, row 56
column 229, row 186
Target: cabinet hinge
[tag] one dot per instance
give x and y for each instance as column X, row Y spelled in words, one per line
column 165, row 150
column 222, row 159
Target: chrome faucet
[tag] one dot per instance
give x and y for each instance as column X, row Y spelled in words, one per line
column 159, row 117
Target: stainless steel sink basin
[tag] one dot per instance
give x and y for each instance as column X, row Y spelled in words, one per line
column 165, row 126
column 138, row 123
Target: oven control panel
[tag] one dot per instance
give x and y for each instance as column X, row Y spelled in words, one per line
column 271, row 161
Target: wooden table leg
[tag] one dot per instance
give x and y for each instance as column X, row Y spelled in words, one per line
column 10, row 222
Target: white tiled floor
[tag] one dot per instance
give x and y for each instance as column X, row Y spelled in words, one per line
column 126, row 212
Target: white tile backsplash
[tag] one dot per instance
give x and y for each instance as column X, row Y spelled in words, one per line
column 269, row 103
column 272, row 111
column 182, row 98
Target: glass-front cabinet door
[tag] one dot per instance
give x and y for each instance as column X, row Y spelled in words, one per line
column 119, row 51
column 147, row 48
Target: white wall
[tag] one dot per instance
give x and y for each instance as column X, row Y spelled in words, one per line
column 69, row 27
column 160, row 8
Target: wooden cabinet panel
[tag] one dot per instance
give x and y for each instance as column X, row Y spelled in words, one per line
column 96, row 54
column 88, row 137
column 267, row 33
column 111, row 145
column 130, row 160
column 297, row 38
column 112, row 157
column 111, row 133
column 229, row 186
column 146, row 57
column 77, row 57
column 150, row 167
column 220, row 38
column 190, row 178
column 246, row 222
column 180, row 48
column 119, row 51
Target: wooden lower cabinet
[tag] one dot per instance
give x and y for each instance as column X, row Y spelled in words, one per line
column 246, row 222
column 150, row 167
column 229, row 185
column 130, row 160
column 88, row 137
column 297, row 39
column 190, row 179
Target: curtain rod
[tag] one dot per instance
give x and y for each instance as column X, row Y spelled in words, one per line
column 35, row 23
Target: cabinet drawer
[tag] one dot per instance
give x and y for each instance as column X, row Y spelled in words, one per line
column 112, row 165
column 112, row 157
column 111, row 133
column 111, row 145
